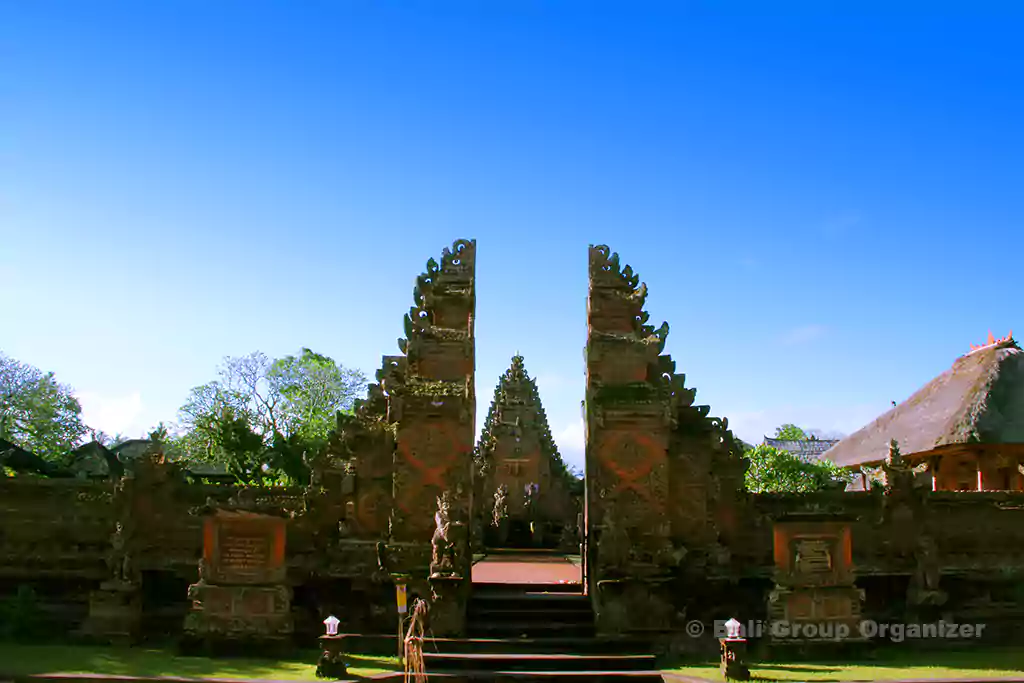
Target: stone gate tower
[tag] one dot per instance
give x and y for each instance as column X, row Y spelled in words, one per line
column 662, row 477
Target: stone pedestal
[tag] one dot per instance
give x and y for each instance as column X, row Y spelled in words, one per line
column 631, row 605
column 826, row 613
column 239, row 612
column 733, row 659
column 449, row 597
column 115, row 613
column 332, row 660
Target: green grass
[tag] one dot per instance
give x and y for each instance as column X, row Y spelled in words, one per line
column 990, row 662
column 138, row 661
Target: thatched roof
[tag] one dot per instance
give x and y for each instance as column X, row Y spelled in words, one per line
column 979, row 400
column 18, row 459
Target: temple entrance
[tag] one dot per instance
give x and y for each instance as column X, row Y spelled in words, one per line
column 525, row 497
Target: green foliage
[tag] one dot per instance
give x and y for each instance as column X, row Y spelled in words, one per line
column 776, row 471
column 287, row 456
column 312, row 388
column 20, row 616
column 261, row 417
column 107, row 440
column 36, row 412
column 790, row 432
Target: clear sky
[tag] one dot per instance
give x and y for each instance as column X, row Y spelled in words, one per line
column 825, row 200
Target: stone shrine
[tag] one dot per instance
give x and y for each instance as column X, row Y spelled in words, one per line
column 524, row 493
column 242, row 591
column 814, row 580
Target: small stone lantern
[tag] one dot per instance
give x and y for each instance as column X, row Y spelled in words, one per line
column 733, row 650
column 332, row 660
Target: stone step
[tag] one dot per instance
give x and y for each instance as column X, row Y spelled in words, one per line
column 518, row 612
column 533, row 628
column 506, row 553
column 552, row 592
column 542, row 676
column 552, row 645
column 551, row 598
column 490, row 661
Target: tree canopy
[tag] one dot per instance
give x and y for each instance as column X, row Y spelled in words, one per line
column 37, row 412
column 773, row 470
column 790, row 432
column 260, row 416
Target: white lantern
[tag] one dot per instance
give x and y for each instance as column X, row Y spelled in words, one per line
column 331, row 623
column 732, row 630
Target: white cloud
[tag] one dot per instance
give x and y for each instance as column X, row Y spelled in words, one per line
column 571, row 442
column 804, row 334
column 113, row 414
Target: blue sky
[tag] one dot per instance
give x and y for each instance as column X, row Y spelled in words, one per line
column 825, row 200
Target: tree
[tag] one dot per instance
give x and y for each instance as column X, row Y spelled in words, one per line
column 777, row 471
column 261, row 418
column 790, row 432
column 36, row 412
column 312, row 388
column 106, row 440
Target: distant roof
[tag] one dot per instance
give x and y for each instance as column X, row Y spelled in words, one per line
column 805, row 449
column 978, row 400
column 95, row 459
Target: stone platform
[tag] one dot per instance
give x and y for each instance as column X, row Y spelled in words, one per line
column 526, row 566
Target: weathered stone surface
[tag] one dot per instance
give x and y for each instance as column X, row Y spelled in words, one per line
column 814, row 577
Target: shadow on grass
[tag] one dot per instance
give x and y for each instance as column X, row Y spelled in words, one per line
column 887, row 663
column 820, row 669
column 21, row 660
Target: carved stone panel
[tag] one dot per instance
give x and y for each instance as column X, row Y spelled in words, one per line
column 813, row 553
column 633, row 466
column 432, row 456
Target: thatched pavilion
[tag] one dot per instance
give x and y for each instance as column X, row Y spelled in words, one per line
column 964, row 430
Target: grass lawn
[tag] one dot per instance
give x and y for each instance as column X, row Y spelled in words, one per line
column 140, row 661
column 888, row 665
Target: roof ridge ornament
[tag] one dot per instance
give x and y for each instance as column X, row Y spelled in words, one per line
column 992, row 341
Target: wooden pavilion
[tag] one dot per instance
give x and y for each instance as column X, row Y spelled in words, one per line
column 963, row 431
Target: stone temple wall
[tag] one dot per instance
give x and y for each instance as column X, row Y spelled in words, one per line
column 672, row 535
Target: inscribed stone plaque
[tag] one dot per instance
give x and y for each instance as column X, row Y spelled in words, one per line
column 243, row 548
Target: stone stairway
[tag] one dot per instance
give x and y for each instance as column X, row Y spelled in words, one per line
column 535, row 632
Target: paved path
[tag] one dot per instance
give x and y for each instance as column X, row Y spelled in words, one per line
column 526, row 568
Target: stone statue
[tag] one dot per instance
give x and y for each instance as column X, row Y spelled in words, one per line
column 344, row 531
column 119, row 560
column 500, row 513
column 530, row 508
column 924, row 584
column 899, row 476
column 443, row 548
